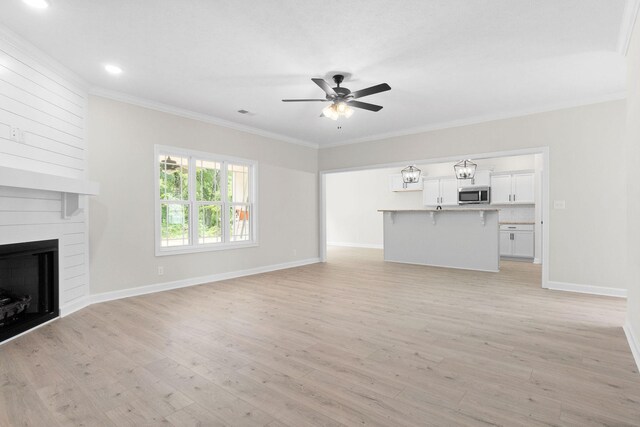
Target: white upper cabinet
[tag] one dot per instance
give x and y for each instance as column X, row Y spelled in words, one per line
column 431, row 192
column 512, row 188
column 501, row 189
column 396, row 184
column 440, row 191
column 448, row 191
column 523, row 188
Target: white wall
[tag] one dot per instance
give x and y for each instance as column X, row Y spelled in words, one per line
column 48, row 105
column 633, row 191
column 354, row 198
column 587, row 239
column 122, row 138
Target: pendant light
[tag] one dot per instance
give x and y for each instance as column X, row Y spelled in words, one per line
column 410, row 175
column 465, row 169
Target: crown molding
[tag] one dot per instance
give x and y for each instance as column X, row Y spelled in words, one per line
column 39, row 56
column 477, row 120
column 627, row 24
column 181, row 112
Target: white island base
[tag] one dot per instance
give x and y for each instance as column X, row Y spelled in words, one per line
column 456, row 238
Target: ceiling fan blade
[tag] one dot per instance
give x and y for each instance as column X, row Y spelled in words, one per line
column 325, row 87
column 371, row 90
column 304, row 100
column 365, row 105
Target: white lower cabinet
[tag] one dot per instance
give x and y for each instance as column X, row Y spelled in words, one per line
column 517, row 241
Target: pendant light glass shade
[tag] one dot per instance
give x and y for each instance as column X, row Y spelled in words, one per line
column 465, row 169
column 410, row 175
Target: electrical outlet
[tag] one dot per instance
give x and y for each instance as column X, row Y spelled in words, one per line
column 14, row 134
column 559, row 204
column 160, row 271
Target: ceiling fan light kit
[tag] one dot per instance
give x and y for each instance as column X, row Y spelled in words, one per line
column 342, row 99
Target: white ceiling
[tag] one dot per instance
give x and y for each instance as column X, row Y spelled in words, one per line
column 447, row 61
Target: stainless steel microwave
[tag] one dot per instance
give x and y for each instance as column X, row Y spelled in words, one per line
column 474, row 195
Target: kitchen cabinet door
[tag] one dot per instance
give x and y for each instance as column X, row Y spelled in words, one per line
column 500, row 189
column 449, row 192
column 523, row 244
column 505, row 243
column 523, row 188
column 431, row 192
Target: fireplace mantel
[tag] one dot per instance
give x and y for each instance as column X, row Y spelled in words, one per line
column 10, row 177
column 70, row 188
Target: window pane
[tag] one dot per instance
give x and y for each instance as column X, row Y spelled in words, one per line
column 209, row 224
column 238, row 185
column 174, row 177
column 239, row 224
column 208, row 177
column 175, row 224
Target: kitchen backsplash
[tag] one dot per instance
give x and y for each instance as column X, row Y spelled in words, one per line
column 517, row 214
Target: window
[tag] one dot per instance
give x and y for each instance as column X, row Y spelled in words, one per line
column 203, row 201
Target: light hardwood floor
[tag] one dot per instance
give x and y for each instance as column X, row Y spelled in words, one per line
column 355, row 341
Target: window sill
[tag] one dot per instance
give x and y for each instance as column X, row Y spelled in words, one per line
column 205, row 248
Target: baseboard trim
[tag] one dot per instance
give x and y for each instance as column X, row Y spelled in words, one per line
column 74, row 306
column 355, row 245
column 159, row 287
column 586, row 289
column 634, row 343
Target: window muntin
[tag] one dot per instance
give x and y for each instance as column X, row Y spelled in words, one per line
column 194, row 205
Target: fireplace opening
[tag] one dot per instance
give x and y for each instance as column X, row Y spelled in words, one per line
column 28, row 286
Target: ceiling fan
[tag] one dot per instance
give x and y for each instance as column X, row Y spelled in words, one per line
column 342, row 99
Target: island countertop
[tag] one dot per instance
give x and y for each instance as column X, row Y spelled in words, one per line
column 440, row 210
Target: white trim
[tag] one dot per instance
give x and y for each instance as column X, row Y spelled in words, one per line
column 476, row 120
column 537, row 261
column 159, row 287
column 586, row 289
column 75, row 305
column 627, row 24
column 44, row 59
column 188, row 114
column 356, row 245
column 634, row 342
column 195, row 247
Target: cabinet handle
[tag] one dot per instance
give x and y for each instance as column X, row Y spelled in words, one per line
column 509, row 197
column 514, row 197
column 511, row 237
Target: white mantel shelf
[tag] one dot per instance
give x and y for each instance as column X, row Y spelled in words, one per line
column 19, row 178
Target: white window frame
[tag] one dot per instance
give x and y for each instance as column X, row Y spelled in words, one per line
column 194, row 246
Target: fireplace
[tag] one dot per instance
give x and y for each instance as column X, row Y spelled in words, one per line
column 28, row 286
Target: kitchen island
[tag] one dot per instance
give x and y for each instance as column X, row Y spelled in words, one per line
column 465, row 238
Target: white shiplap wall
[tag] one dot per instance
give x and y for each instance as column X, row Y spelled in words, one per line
column 48, row 105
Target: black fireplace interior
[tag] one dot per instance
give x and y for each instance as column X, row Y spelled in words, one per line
column 28, row 286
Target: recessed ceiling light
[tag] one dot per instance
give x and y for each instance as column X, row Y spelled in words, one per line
column 37, row 4
column 113, row 69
